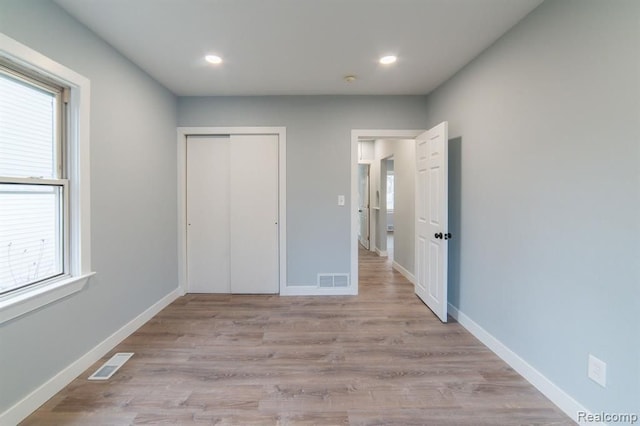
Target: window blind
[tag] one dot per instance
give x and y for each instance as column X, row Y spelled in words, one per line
column 30, row 213
column 27, row 130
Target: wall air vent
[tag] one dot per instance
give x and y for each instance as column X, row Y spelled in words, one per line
column 333, row 280
column 110, row 367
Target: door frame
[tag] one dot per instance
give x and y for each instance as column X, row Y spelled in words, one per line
column 356, row 136
column 183, row 132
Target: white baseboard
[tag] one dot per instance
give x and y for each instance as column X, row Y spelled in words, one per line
column 35, row 399
column 381, row 253
column 314, row 290
column 560, row 398
column 408, row 275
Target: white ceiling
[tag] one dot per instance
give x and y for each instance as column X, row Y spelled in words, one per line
column 299, row 47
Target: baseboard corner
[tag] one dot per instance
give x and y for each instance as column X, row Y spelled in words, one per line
column 405, row 273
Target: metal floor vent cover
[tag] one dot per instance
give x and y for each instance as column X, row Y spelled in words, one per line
column 110, row 367
column 333, row 280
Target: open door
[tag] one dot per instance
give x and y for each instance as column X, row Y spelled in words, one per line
column 432, row 208
column 363, row 204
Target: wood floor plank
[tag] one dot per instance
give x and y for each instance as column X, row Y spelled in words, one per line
column 379, row 358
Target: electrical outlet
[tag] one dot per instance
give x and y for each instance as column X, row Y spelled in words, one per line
column 597, row 371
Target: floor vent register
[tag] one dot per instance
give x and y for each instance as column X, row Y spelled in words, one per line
column 110, row 367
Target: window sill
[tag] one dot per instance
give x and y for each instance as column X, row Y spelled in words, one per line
column 30, row 300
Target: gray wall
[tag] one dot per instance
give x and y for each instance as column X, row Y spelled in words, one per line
column 133, row 202
column 318, row 161
column 546, row 194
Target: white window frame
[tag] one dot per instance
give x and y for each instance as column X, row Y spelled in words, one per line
column 77, row 161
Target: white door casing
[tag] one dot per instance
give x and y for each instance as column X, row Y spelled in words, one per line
column 432, row 235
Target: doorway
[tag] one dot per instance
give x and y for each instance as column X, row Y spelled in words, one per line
column 358, row 139
column 427, row 271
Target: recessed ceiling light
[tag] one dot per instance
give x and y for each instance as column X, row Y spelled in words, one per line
column 213, row 59
column 386, row 60
column 350, row 78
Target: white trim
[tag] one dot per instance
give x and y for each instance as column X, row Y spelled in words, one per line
column 15, row 305
column 181, row 156
column 31, row 59
column 356, row 135
column 183, row 132
column 405, row 272
column 35, row 399
column 556, row 395
column 36, row 181
column 78, row 167
column 381, row 253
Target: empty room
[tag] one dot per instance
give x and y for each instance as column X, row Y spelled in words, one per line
column 284, row 212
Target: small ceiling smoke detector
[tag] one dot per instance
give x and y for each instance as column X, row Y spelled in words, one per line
column 387, row 60
column 213, row 59
column 350, row 78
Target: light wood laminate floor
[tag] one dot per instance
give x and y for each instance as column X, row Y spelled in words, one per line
column 380, row 358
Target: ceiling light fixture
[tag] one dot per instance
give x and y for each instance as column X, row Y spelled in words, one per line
column 350, row 78
column 386, row 60
column 213, row 59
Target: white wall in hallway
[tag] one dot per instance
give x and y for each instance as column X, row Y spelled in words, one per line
column 403, row 152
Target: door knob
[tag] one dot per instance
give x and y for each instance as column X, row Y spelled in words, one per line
column 438, row 235
column 447, row 236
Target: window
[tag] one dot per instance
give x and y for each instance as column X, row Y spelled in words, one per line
column 390, row 191
column 44, row 180
column 33, row 188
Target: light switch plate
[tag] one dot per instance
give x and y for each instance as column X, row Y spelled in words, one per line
column 341, row 200
column 597, row 371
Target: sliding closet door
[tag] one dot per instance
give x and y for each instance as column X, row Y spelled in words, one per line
column 208, row 214
column 254, row 213
column 232, row 214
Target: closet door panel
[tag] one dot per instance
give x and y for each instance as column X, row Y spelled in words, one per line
column 208, row 235
column 254, row 213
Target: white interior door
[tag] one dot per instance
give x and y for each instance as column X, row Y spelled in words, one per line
column 254, row 213
column 432, row 234
column 232, row 214
column 208, row 214
column 363, row 204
